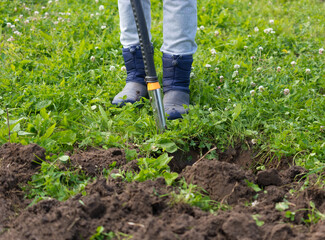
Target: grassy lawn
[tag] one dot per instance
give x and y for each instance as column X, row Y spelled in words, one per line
column 257, row 80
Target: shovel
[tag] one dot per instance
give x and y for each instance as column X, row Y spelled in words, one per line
column 153, row 86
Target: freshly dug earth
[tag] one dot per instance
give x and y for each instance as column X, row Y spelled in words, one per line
column 147, row 211
column 17, row 164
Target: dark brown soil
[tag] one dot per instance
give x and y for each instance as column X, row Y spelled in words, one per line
column 17, row 164
column 94, row 160
column 147, row 210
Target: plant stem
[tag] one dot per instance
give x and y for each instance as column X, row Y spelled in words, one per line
column 8, row 124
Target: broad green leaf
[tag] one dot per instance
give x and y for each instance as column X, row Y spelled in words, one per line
column 170, row 177
column 167, row 145
column 43, row 104
column 237, row 111
column 49, row 131
column 64, row 158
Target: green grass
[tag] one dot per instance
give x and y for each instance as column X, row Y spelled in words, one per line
column 60, row 99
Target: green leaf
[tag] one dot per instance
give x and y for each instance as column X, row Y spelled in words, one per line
column 162, row 161
column 49, row 131
column 64, row 158
column 43, row 104
column 44, row 114
column 255, row 187
column 170, row 177
column 236, row 112
column 281, row 206
column 65, row 137
column 167, row 145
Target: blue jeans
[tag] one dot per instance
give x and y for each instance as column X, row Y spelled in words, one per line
column 179, row 25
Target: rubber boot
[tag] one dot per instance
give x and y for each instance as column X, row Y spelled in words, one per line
column 176, row 82
column 135, row 87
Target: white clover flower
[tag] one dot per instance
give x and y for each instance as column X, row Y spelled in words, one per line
column 252, row 92
column 96, row 1
column 253, row 84
column 234, row 105
column 16, row 20
column 60, row 18
column 255, row 202
column 26, row 21
column 253, row 57
column 17, row 33
column 192, row 75
column 93, row 107
column 286, row 91
column 69, row 14
column 216, row 69
column 236, row 73
column 101, row 7
column 249, row 36
column 202, row 27
column 272, row 32
column 12, row 26
column 237, row 66
column 103, row 27
column 112, row 68
column 221, row 78
column 254, row 141
column 308, row 70
column 49, row 2
column 56, row 22
column 271, row 21
column 260, row 48
column 11, row 39
column 258, row 69
column 216, row 33
column 226, row 109
column 213, row 51
column 46, row 14
column 207, row 66
column 9, row 24
column 261, row 88
column 256, row 29
column 92, row 58
column 267, row 30
column 229, row 100
column 321, row 50
column 36, row 12
column 43, row 7
column 278, row 69
column 245, row 47
column 91, row 15
column 293, row 63
column 97, row 14
column 210, row 109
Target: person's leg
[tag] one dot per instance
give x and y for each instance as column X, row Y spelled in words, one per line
column 135, row 87
column 179, row 29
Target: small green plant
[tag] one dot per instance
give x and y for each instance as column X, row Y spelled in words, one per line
column 191, row 194
column 314, row 215
column 257, row 221
column 52, row 182
column 101, row 235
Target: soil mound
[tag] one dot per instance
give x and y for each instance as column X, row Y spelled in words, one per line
column 223, row 181
column 147, row 210
column 94, row 160
column 17, row 164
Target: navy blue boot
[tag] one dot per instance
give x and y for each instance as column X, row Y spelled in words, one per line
column 176, row 81
column 135, row 87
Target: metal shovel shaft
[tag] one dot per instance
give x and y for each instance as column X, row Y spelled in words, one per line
column 153, row 86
